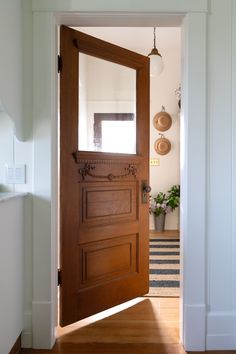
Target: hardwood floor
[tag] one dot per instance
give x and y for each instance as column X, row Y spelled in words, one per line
column 173, row 233
column 147, row 325
column 140, row 326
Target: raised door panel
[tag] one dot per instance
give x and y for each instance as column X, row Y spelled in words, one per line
column 108, row 202
column 107, row 260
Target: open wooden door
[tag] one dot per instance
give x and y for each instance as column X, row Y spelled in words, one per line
column 103, row 190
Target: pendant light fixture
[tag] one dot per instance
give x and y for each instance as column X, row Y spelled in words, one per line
column 156, row 62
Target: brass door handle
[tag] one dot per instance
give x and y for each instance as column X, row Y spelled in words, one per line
column 145, row 190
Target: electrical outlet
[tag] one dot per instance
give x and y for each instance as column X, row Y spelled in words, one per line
column 15, row 174
column 154, row 162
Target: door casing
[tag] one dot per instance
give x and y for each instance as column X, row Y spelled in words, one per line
column 193, row 308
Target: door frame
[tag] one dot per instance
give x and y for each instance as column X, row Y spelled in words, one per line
column 193, row 165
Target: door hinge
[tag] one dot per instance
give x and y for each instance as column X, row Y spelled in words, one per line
column 59, row 64
column 59, row 277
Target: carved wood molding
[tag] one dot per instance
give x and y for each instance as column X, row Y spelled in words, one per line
column 90, row 158
column 100, row 162
column 86, row 170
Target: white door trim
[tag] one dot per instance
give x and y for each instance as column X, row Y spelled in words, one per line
column 193, row 171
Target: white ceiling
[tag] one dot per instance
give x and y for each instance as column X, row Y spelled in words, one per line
column 139, row 39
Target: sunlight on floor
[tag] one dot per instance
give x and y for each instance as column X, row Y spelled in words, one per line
column 142, row 320
column 97, row 317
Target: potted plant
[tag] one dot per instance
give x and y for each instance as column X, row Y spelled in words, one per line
column 162, row 204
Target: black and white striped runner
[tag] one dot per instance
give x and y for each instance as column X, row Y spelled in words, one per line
column 164, row 266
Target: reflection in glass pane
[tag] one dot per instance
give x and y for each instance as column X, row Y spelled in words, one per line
column 107, row 106
column 123, row 141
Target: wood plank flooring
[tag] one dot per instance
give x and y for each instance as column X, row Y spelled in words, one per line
column 140, row 326
column 164, row 233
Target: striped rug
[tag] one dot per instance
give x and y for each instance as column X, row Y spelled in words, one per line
column 164, row 266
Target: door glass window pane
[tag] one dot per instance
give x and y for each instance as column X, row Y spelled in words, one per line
column 107, row 106
column 124, row 139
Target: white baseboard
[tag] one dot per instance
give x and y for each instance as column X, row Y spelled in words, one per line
column 221, row 342
column 26, row 339
column 221, row 330
column 194, row 335
column 42, row 324
column 26, row 336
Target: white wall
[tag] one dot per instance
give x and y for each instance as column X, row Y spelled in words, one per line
column 13, row 151
column 6, row 148
column 16, row 64
column 11, row 83
column 15, row 124
column 11, row 272
column 163, row 88
column 221, row 235
column 16, row 88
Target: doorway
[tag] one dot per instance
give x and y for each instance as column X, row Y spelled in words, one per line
column 98, row 108
column 193, row 166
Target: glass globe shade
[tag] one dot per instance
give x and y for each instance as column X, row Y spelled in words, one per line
column 156, row 65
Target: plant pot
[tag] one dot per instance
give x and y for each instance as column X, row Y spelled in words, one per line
column 159, row 222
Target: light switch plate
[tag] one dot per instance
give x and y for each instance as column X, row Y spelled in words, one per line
column 154, row 162
column 15, row 174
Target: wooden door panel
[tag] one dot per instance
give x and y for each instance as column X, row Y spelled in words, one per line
column 107, row 260
column 103, row 218
column 110, row 294
column 108, row 203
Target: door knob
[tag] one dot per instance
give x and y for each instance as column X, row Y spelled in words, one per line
column 145, row 190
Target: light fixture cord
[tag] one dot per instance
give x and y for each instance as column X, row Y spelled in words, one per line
column 154, row 35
